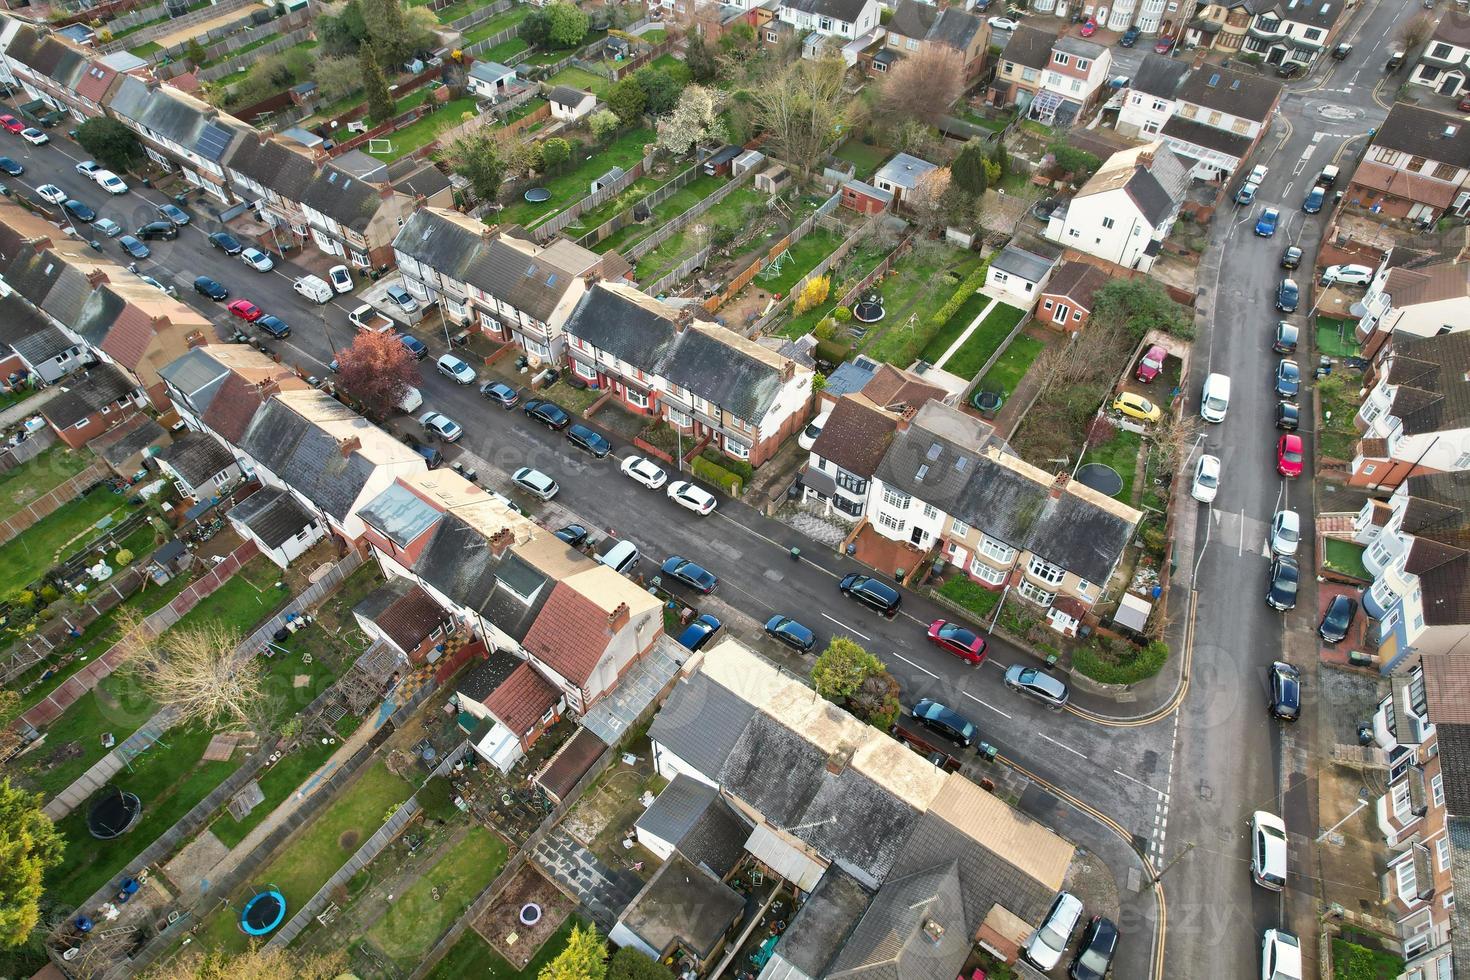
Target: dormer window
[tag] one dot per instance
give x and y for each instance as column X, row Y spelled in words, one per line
column 1061, row 57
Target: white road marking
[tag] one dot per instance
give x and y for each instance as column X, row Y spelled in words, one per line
column 988, row 705
column 902, row 657
column 1139, row 782
column 849, row 628
column 1061, row 746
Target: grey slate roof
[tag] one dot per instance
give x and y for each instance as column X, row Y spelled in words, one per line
column 198, row 375
column 271, row 164
column 1158, row 189
column 904, row 170
column 1248, row 96
column 273, row 515
column 1079, row 47
column 1159, row 76
column 342, row 197
column 1197, row 133
column 86, row 392
column 926, row 22
column 1420, row 132
column 197, row 457
column 677, row 809
column 1019, row 262
column 166, row 112
column 424, row 181
column 306, row 458
column 125, row 441
column 817, row 933
column 28, row 333
column 1029, row 46
column 716, row 842
column 96, row 317
column 461, row 564
column 567, row 96
column 685, row 904
column 701, row 722
column 847, row 10
column 890, row 941
column 400, row 514
column 1454, row 750
column 481, row 680
column 69, row 293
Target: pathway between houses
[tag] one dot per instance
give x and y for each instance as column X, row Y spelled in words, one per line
column 960, row 341
column 603, row 891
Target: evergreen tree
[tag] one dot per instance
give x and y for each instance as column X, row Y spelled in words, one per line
column 375, row 84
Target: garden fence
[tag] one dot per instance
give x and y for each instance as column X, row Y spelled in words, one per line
column 622, row 69
column 548, row 229
column 486, row 43
column 161, row 27
column 28, row 450
column 671, row 228
column 751, row 271
column 662, row 285
column 851, row 296
column 51, row 501
column 624, row 218
column 821, row 269
column 229, row 67
column 476, row 17
column 30, row 406
column 23, row 656
column 496, row 112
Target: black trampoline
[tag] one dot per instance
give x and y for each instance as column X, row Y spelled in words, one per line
column 869, row 310
column 537, row 195
column 113, row 813
column 263, row 912
column 1100, row 477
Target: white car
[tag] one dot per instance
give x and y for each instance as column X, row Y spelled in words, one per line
column 341, row 278
column 442, row 426
column 1281, row 956
column 1268, row 850
column 34, row 136
column 1003, row 24
column 257, row 260
column 110, row 182
column 87, row 168
column 1347, row 275
column 1046, row 945
column 51, row 193
column 691, row 497
column 401, row 298
column 1206, row 478
column 455, row 369
column 645, row 471
column 808, row 437
column 1286, row 532
column 535, row 482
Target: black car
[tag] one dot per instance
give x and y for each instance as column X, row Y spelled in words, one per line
column 683, row 570
column 946, row 721
column 1281, row 595
column 501, row 393
column 1341, row 52
column 274, row 326
column 1095, row 952
column 869, row 591
column 133, row 247
column 206, row 286
column 1291, row 258
column 585, row 437
column 80, row 211
column 1286, row 338
column 549, row 414
column 1338, row 619
column 432, row 456
column 1287, row 296
column 1286, row 690
column 226, row 243
column 11, row 167
column 1288, row 379
column 154, row 230
column 1130, row 37
column 791, row 633
column 573, row 534
column 414, row 346
column 1290, row 69
column 1288, row 416
column 699, row 632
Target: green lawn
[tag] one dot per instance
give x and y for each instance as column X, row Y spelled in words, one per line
column 1345, row 557
column 674, row 66
column 985, row 341
column 580, row 78
column 146, row 50
column 853, row 268
column 1012, row 366
column 118, row 705
column 739, row 208
column 503, row 51
column 424, row 130
column 457, row 10
column 243, row 49
column 572, row 184
column 655, row 36
column 26, row 558
column 913, row 292
column 491, row 27
column 246, row 598
column 417, row 919
column 1335, row 337
column 1121, row 453
column 954, row 326
column 473, row 957
column 1338, row 437
column 676, row 204
column 1353, row 962
column 799, row 260
column 979, row 600
column 588, row 220
column 40, row 475
column 865, row 159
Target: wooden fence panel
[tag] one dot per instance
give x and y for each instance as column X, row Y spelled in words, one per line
column 671, row 228
column 549, row 228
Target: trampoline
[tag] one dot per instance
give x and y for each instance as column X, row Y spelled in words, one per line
column 1100, row 477
column 988, row 402
column 869, row 310
column 113, row 814
column 537, row 195
column 263, row 912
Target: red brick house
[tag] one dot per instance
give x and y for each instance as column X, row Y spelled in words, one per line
column 90, row 403
column 1066, row 302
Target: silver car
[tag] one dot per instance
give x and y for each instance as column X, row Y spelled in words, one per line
column 257, row 260
column 1038, row 684
column 534, row 482
column 1047, row 943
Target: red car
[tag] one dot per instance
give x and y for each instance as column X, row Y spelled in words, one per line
column 1089, row 28
column 957, row 640
column 1289, row 455
column 12, row 124
column 246, row 310
column 1152, row 364
column 1164, row 45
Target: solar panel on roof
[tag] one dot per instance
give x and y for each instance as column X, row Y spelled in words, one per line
column 213, row 141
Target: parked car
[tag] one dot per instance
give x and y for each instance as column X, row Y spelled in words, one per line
column 1286, row 532
column 1038, row 684
column 963, row 643
column 1281, row 956
column 1337, row 621
column 455, row 370
column 1138, row 407
column 1266, row 223
column 1130, row 37
column 401, row 298
column 871, row 592
column 441, row 426
column 341, row 278
column 791, row 633
column 535, row 482
column 1088, row 28
column 945, row 721
column 1347, row 275
column 1206, row 478
column 277, row 328
column 414, row 346
column 695, row 576
column 1285, row 683
column 110, row 182
column 205, row 286
column 107, row 227
column 1163, row 45
column 996, row 24
column 11, row 124
column 134, row 247
column 246, row 310
column 1288, row 379
column 433, row 457
column 588, row 438
column 1268, row 850
column 500, row 393
column 225, row 243
column 1286, row 337
column 257, row 260
column 1290, row 69
column 1247, row 192
column 699, row 632
column 34, row 136
column 573, row 534
column 1045, row 947
column 1289, row 455
column 690, row 496
column 1341, row 51
column 1151, row 363
column 621, row 556
column 1312, row 203
column 808, row 437
column 158, row 231
column 87, row 168
column 1287, row 296
column 1281, row 593
column 12, row 167
column 644, row 471
column 549, row 414
column 1095, row 950
column 79, row 211
column 1291, row 257
column 51, row 194
column 1287, row 416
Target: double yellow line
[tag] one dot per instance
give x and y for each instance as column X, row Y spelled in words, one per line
column 1175, row 699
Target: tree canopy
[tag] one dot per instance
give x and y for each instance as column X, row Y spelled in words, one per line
column 110, row 142
column 377, row 370
column 584, row 958
column 29, row 845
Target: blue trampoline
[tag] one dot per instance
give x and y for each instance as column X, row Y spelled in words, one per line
column 263, row 912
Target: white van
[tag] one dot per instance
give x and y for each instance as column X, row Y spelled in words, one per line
column 1329, row 175
column 313, row 288
column 411, row 400
column 1215, row 398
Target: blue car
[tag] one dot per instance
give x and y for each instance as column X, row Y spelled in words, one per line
column 134, row 247
column 1266, row 223
column 791, row 633
column 698, row 633
column 945, row 721
column 1315, row 196
column 175, row 214
column 1287, row 296
column 692, row 575
column 413, row 345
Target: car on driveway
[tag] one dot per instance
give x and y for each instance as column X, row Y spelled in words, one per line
column 246, row 310
column 1291, row 257
column 1286, row 532
column 1088, row 28
column 791, row 633
column 691, row 496
column 1347, row 275
column 962, row 642
column 51, row 194
column 441, row 426
column 1268, row 850
column 455, row 370
column 225, row 243
column 699, row 632
column 1288, row 296
column 535, row 482
column 1151, row 363
column 1286, row 337
column 257, row 260
column 1130, row 37
column 174, row 214
column 205, row 286
column 12, row 167
column 80, row 211
column 110, row 182
column 274, row 326
column 500, row 393
column 573, row 534
column 549, row 414
column 644, row 471
column 587, row 438
column 1206, row 478
column 1281, row 592
column 1337, row 621
column 808, row 437
column 1281, row 956
column 34, row 136
column 1266, row 223
column 401, row 298
column 414, row 346
column 1038, row 684
column 1288, row 379
column 695, row 576
column 1095, row 950
column 1288, row 416
column 1163, row 45
column 865, row 589
column 1045, row 947
column 341, row 278
column 134, row 247
column 945, row 721
column 1136, row 406
column 1289, row 455
column 1285, row 684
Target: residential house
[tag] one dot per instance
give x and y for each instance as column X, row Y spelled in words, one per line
column 131, row 324
column 510, row 704
column 684, row 908
column 1151, row 98
column 281, row 526
column 1073, row 81
column 1127, row 209
column 1066, row 301
column 404, row 616
column 127, row 446
column 843, row 459
column 891, row 389
column 177, row 131
column 903, row 866
column 491, row 80
column 570, row 104
column 1415, row 417
column 691, row 818
column 1280, row 31
column 1444, row 65
column 54, row 69
column 943, row 483
column 845, row 19
column 710, row 383
column 1018, row 275
column 91, row 402
column 917, row 28
column 31, row 345
column 901, row 174
column 1408, row 299
column 1416, row 167
column 1018, row 75
column 200, row 467
column 218, row 388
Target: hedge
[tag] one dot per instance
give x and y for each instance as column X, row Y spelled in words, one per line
column 974, row 597
column 716, row 474
column 729, row 464
column 1135, row 664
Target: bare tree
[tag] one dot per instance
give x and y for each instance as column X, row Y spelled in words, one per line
column 799, row 105
column 256, row 963
column 922, row 86
column 928, row 201
column 1416, row 30
column 193, row 669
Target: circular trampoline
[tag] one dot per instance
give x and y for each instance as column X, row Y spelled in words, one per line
column 530, row 914
column 263, row 912
column 869, row 310
column 113, row 814
column 537, row 195
column 1100, row 477
column 988, row 402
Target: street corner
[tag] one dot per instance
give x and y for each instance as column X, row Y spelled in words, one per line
column 1354, row 649
column 1091, row 879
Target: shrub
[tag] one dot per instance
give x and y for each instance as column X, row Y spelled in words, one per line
column 1111, row 662
column 739, row 467
column 973, row 596
column 842, row 314
column 716, row 474
column 1015, row 618
column 833, row 351
column 123, row 557
column 825, row 328
column 49, row 594
column 813, row 294
column 437, row 799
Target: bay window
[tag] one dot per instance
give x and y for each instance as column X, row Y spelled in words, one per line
column 895, row 498
column 999, row 551
column 739, row 450
column 986, row 573
column 1035, row 593
column 1045, row 570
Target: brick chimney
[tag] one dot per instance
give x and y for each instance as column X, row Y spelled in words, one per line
column 905, row 416
column 619, row 617
column 386, row 191
column 195, row 338
column 1059, row 485
column 270, row 387
column 349, row 445
column 1146, row 158
column 96, row 276
column 788, row 370
column 501, row 540
column 683, row 319
column 838, row 759
column 262, row 136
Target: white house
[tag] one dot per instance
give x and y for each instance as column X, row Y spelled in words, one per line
column 1445, row 64
column 281, row 527
column 1019, row 275
column 199, row 465
column 1422, row 301
column 843, row 458
column 1124, row 213
column 570, row 103
column 1415, row 419
column 490, row 80
column 830, row 18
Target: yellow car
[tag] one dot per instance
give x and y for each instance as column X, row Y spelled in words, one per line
column 1137, row 406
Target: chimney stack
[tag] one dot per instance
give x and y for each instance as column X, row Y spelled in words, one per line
column 683, row 319
column 96, row 277
column 788, row 370
column 195, row 339
column 905, row 416
column 501, row 540
column 1146, row 158
column 349, row 445
column 386, row 191
column 1059, row 485
column 838, row 759
column 270, row 387
column 619, row 617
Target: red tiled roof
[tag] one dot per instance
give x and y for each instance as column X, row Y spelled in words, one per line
column 94, row 81
column 522, row 700
column 1071, row 605
column 410, row 619
column 1077, row 281
column 1401, row 183
column 233, row 407
column 570, row 634
column 128, row 339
